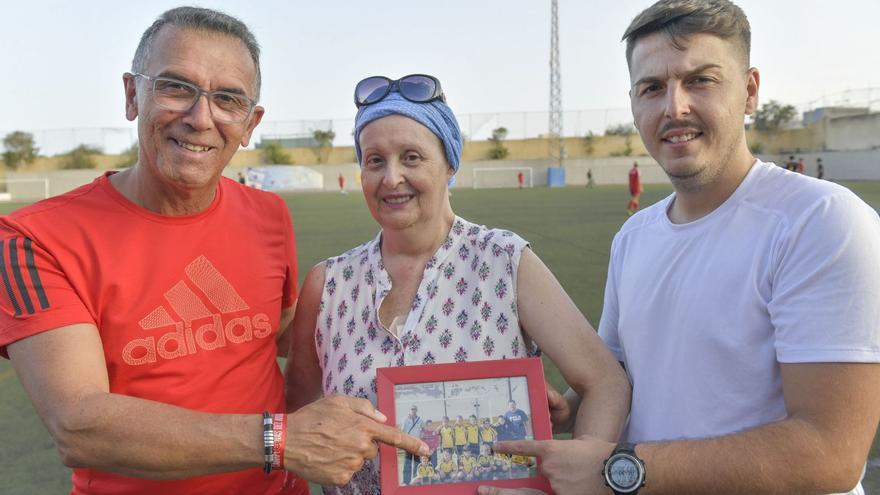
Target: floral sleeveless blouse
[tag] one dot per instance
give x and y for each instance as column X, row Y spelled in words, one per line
column 464, row 310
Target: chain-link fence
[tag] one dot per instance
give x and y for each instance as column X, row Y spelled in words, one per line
column 475, row 126
column 865, row 98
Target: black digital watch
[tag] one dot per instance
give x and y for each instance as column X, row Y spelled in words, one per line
column 624, row 472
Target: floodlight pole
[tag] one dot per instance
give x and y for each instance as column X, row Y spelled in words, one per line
column 554, row 137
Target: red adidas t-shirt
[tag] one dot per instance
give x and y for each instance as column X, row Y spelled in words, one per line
column 187, row 307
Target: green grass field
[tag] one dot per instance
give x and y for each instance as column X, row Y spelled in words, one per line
column 569, row 228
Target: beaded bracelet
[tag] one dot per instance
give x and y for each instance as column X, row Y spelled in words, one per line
column 268, row 443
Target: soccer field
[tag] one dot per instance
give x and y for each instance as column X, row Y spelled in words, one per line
column 569, row 228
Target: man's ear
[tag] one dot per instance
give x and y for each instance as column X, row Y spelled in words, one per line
column 753, row 82
column 131, row 108
column 253, row 121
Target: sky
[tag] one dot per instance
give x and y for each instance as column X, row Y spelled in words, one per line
column 63, row 60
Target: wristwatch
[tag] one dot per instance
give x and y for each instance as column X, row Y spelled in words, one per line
column 624, row 472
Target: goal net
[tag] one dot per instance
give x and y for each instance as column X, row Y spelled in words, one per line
column 21, row 190
column 487, row 177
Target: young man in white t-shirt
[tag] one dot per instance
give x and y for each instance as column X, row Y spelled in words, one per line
column 745, row 306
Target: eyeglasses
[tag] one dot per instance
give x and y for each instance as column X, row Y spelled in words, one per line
column 418, row 88
column 179, row 96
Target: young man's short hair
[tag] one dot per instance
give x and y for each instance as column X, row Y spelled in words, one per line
column 682, row 18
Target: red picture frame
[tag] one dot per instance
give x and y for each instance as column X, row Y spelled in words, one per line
column 531, row 369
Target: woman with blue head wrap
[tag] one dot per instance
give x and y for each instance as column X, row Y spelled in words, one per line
column 410, row 183
column 432, row 287
column 435, row 115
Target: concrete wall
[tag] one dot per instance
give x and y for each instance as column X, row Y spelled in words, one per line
column 840, row 165
column 102, row 162
column 832, row 132
column 60, row 181
column 575, row 147
column 298, row 156
column 788, row 140
column 845, row 165
column 351, row 171
column 606, row 170
column 518, row 149
column 857, row 132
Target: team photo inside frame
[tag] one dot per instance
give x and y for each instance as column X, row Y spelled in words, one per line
column 459, row 410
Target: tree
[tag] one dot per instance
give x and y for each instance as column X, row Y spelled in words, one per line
column 627, row 131
column 498, row 150
column 19, row 148
column 274, row 154
column 773, row 116
column 324, row 140
column 627, row 147
column 756, row 148
column 620, row 130
column 589, row 143
column 129, row 157
column 83, row 156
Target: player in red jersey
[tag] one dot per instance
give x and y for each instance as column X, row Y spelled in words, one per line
column 635, row 189
column 143, row 312
column 341, row 180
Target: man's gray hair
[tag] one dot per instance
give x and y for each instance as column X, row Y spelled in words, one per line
column 200, row 19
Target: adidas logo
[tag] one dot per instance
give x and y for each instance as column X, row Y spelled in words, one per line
column 186, row 338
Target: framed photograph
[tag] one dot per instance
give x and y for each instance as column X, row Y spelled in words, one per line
column 459, row 410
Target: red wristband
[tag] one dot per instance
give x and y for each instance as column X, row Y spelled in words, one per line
column 279, row 431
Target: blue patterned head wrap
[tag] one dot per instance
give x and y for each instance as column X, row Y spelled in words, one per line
column 435, row 115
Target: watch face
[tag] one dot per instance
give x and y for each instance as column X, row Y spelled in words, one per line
column 623, row 473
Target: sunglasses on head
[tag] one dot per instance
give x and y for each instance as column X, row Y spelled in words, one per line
column 418, row 88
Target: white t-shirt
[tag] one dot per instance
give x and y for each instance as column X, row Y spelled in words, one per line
column 787, row 270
